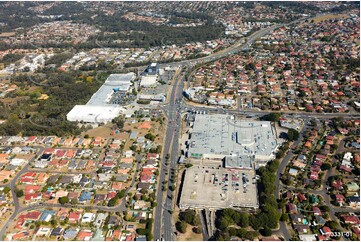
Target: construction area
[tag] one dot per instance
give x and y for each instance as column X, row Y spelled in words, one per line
column 217, row 188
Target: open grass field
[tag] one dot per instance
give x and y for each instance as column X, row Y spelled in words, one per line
column 329, row 16
column 7, row 34
column 102, row 131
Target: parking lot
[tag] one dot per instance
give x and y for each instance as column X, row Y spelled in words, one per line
column 219, row 188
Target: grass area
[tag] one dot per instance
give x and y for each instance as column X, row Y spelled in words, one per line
column 102, row 131
column 7, row 34
column 156, row 129
column 189, row 235
column 329, row 16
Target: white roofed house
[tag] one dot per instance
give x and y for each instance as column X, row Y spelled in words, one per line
column 17, row 162
column 88, row 218
column 43, row 232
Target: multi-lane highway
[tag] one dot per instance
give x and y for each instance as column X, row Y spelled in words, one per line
column 163, row 223
column 163, row 226
column 235, row 48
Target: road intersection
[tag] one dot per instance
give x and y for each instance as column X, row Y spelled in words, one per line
column 163, row 223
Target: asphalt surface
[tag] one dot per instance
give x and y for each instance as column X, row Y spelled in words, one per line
column 235, row 48
column 283, row 225
column 163, row 224
column 253, row 112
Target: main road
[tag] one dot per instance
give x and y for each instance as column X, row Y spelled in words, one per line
column 238, row 46
column 163, row 224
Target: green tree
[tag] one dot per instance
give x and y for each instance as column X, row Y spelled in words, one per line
column 284, row 217
column 150, row 136
column 19, row 193
column 63, row 200
column 293, row 134
column 255, row 222
column 302, row 94
column 197, row 230
column 250, row 235
column 181, row 226
column 119, row 122
column 332, row 224
column 141, row 231
column 326, row 166
column 266, row 231
column 243, row 220
column 273, row 117
column 188, row 216
column 224, row 222
column 121, row 194
column 112, row 202
column 7, row 190
column 134, row 92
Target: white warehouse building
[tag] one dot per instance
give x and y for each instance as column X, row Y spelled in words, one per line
column 99, row 108
column 94, row 114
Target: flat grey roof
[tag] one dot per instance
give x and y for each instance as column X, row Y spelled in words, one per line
column 114, row 81
column 218, row 188
column 220, row 134
column 242, row 161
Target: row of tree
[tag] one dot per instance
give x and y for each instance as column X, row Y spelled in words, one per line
column 147, row 231
column 263, row 221
column 190, row 217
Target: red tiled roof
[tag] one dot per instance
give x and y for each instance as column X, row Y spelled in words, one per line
column 32, row 196
column 351, row 219
column 74, row 216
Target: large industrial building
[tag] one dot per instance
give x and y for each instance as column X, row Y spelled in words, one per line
column 238, row 142
column 148, row 81
column 103, row 105
column 93, row 113
column 113, row 84
column 207, row 188
column 241, row 146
